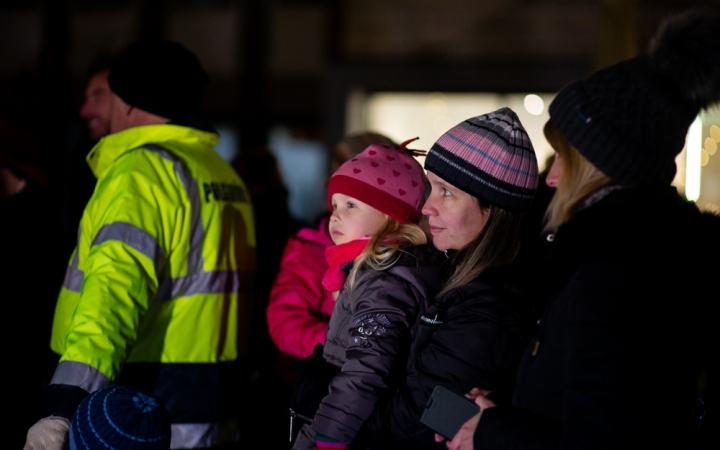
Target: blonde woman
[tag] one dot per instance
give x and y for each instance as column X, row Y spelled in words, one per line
column 628, row 339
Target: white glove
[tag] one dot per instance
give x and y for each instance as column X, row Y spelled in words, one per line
column 49, row 433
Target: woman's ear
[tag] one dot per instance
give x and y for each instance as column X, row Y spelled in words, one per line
column 485, row 210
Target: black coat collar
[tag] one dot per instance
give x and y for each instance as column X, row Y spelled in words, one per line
column 629, row 224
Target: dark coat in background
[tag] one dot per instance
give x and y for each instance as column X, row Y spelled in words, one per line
column 31, row 271
column 627, row 334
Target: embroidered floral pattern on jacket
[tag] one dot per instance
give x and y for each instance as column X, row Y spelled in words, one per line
column 367, row 326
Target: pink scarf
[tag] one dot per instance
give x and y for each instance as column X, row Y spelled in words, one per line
column 338, row 255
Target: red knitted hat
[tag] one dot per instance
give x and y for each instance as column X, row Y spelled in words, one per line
column 385, row 177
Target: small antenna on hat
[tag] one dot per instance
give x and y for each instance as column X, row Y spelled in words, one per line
column 412, row 152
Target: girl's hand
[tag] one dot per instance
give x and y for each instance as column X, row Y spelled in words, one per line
column 335, row 294
column 463, row 440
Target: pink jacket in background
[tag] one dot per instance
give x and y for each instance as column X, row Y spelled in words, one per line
column 299, row 307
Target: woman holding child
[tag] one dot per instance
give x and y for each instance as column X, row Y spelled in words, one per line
column 483, row 173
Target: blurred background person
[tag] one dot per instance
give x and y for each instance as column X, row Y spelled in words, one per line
column 79, row 181
column 95, row 110
column 259, row 171
column 31, row 272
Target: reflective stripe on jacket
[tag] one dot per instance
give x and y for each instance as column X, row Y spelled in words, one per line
column 161, row 276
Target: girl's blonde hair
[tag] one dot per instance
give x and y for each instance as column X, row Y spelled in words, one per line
column 497, row 245
column 385, row 247
column 579, row 180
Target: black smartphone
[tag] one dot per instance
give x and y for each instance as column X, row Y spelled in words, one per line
column 446, row 411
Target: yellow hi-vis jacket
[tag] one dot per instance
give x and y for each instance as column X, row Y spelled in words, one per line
column 159, row 288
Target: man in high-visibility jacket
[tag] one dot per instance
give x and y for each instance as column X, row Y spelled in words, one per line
column 158, row 291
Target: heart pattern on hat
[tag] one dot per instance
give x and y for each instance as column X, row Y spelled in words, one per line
column 385, row 177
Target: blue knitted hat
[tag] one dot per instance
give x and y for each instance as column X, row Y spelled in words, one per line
column 120, row 418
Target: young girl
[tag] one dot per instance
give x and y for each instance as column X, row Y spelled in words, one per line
column 299, row 307
column 381, row 284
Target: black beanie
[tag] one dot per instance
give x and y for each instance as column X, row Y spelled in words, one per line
column 630, row 119
column 160, row 77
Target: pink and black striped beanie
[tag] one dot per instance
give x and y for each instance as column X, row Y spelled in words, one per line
column 386, row 177
column 490, row 157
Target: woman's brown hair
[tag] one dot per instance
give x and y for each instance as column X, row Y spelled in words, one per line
column 497, row 245
column 579, row 180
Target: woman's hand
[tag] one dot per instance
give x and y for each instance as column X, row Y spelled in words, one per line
column 463, row 440
column 477, row 392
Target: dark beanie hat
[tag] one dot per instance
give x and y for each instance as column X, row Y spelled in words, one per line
column 120, row 417
column 160, row 77
column 630, row 120
column 490, row 157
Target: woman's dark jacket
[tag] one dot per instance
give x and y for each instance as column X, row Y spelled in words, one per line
column 472, row 336
column 632, row 282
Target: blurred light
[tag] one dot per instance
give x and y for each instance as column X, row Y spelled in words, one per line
column 694, row 161
column 715, row 133
column 228, row 143
column 534, row 104
column 442, row 124
column 436, row 108
column 437, row 104
column 710, row 146
column 704, row 157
